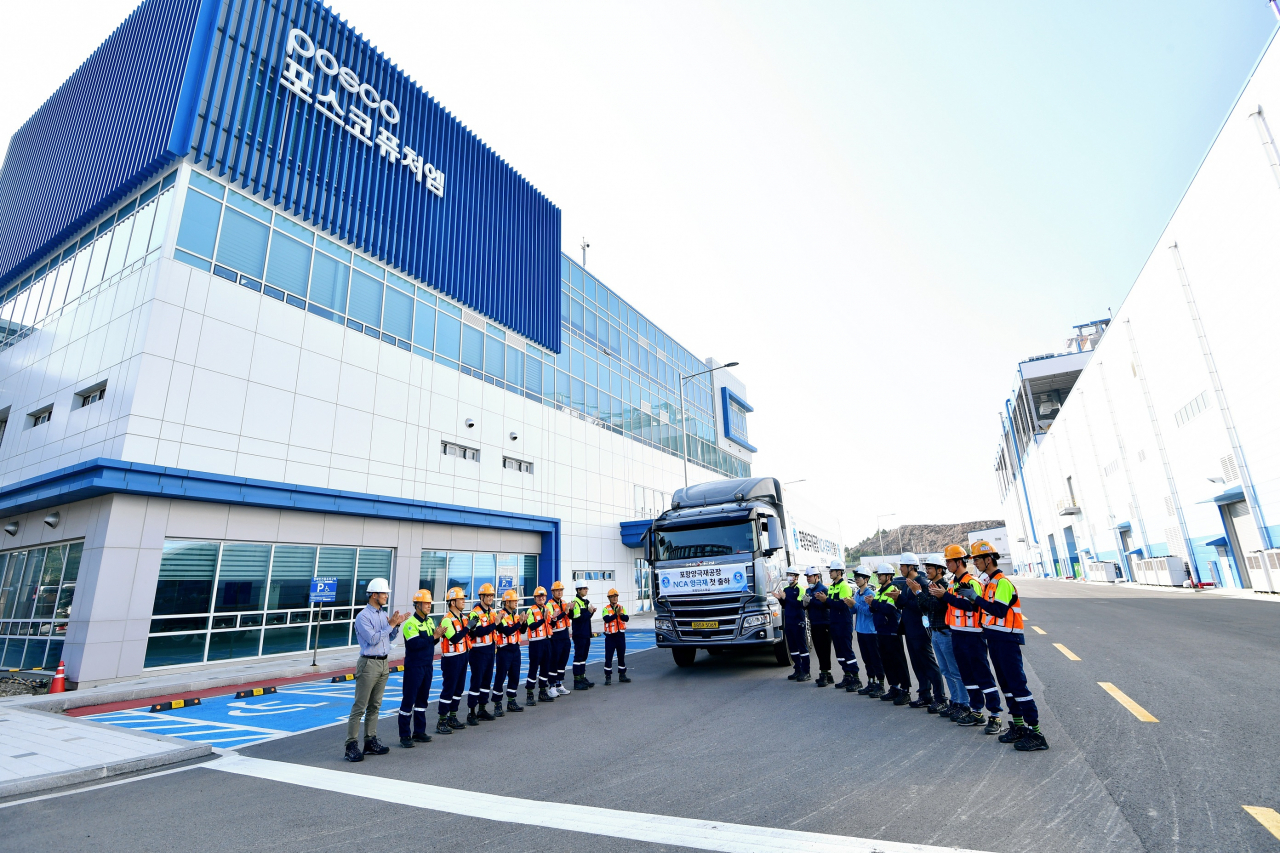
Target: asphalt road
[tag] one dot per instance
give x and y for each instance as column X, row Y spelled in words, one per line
column 731, row 740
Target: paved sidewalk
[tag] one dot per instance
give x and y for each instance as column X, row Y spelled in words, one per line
column 39, row 751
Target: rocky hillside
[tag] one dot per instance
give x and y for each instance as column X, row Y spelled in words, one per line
column 919, row 538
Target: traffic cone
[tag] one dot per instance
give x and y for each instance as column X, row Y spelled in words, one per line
column 59, row 683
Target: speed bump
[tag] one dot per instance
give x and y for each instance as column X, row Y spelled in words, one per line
column 398, row 668
column 175, row 704
column 257, row 691
column 350, row 676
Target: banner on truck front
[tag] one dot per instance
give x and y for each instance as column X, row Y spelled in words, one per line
column 695, row 579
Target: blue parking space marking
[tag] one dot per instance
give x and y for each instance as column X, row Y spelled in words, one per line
column 230, row 723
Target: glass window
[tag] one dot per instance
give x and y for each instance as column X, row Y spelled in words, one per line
column 175, row 649
column 472, row 347
column 590, row 325
column 589, row 372
column 50, row 579
column 424, row 326
column 243, row 243
column 207, row 184
column 564, row 268
column 460, row 572
column 292, row 567
column 548, row 380
column 333, row 248
column 186, row 578
column 591, row 404
column 528, row 574
column 564, row 307
column 225, row 645
column 515, row 366
column 329, row 283
column 495, row 331
column 575, row 314
column 119, row 246
column 13, row 570
column 576, row 276
column 485, row 571
column 577, row 393
column 374, row 563
column 432, row 573
column 719, row 540
column 366, row 299
column 199, row 229
column 339, row 563
column 69, row 575
column 495, row 357
column 289, row 265
column 368, row 267
column 397, row 314
column 242, row 577
column 448, row 335
column 293, row 229
column 278, row 641
column 562, row 388
column 533, row 375
column 576, row 362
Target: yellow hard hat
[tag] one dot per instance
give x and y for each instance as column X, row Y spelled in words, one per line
column 557, row 585
column 485, row 589
column 423, row 595
column 510, row 595
column 982, row 548
column 540, row 591
column 954, row 552
column 611, row 593
column 455, row 592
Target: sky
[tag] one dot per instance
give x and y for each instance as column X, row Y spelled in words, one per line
column 878, row 209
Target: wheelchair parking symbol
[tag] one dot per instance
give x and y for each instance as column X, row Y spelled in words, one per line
column 275, row 706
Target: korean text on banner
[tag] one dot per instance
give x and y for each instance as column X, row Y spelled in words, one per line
column 695, row 579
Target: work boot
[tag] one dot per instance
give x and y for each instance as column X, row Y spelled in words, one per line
column 876, row 691
column 842, row 682
column 871, row 685
column 443, row 727
column 528, row 698
column 544, row 696
column 353, row 752
column 890, row 695
column 623, row 678
column 970, row 719
column 454, row 723
column 993, row 726
column 588, row 682
column 855, row 682
column 1030, row 742
column 608, row 679
column 921, row 702
column 937, row 707
column 580, row 683
column 484, row 715
column 904, row 697
column 497, row 709
column 804, row 676
column 824, row 678
column 792, row 677
column 422, row 737
column 1014, row 733
column 512, row 705
column 471, row 718
column 407, row 742
column 957, row 711
column 373, row 746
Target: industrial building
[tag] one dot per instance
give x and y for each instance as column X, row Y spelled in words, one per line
column 269, row 313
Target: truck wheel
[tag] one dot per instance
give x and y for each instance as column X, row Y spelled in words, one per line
column 780, row 654
column 684, row 655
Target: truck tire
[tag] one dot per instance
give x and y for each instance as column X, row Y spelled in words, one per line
column 684, row 655
column 780, row 654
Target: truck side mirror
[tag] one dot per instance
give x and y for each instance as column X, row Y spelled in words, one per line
column 772, row 530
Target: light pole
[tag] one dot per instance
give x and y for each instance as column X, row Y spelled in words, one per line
column 684, row 432
column 880, row 532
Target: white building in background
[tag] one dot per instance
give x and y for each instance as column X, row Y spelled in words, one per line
column 1152, row 444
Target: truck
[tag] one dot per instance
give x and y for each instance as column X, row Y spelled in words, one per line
column 718, row 553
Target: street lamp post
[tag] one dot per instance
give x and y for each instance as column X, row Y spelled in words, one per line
column 684, row 432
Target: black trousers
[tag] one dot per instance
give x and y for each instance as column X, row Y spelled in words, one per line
column 559, row 655
column 797, row 645
column 581, row 648
column 481, row 675
column 1006, row 657
column 925, row 665
column 894, row 659
column 413, row 705
column 615, row 643
column 871, row 655
column 453, row 681
column 842, row 639
column 539, row 664
column 971, row 657
column 821, row 636
column 508, row 671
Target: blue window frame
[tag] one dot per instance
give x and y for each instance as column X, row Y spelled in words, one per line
column 495, row 357
column 366, row 299
column 243, row 243
column 473, row 347
column 199, row 229
column 329, row 282
column 448, row 333
column 515, row 366
column 289, row 264
column 397, row 314
column 424, row 326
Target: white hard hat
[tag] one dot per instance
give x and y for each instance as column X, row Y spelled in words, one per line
column 794, row 570
column 813, row 570
column 837, row 565
column 379, row 585
column 884, row 569
column 908, row 559
column 935, row 560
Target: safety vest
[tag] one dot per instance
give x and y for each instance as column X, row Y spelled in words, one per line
column 487, row 618
column 1011, row 622
column 506, row 619
column 453, row 625
column 415, row 625
column 614, row 626
column 965, row 620
column 543, row 631
column 559, row 616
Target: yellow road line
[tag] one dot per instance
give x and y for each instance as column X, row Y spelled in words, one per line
column 1066, row 651
column 1037, row 629
column 1134, row 708
column 1267, row 817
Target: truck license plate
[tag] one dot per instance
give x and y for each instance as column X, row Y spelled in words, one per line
column 706, row 625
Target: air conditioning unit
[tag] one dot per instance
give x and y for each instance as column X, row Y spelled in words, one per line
column 1257, row 565
column 1102, row 572
column 1161, row 571
column 1273, row 567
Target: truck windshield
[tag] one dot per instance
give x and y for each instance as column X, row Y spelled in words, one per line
column 720, row 540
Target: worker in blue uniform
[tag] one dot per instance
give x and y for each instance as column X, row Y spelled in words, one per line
column 865, row 626
column 889, row 637
column 815, row 605
column 419, row 662
column 793, row 625
column 580, row 612
column 840, row 611
column 915, row 628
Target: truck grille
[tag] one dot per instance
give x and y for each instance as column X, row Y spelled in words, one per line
column 725, row 609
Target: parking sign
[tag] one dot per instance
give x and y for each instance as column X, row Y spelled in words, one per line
column 324, row 589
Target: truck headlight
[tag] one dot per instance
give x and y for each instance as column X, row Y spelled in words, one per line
column 757, row 619
column 662, row 624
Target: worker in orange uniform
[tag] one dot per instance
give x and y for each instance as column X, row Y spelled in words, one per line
column 964, row 618
column 615, row 639
column 480, row 629
column 560, row 647
column 451, row 634
column 506, row 636
column 538, row 624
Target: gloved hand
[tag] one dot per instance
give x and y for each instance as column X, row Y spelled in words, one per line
column 967, row 592
column 475, row 620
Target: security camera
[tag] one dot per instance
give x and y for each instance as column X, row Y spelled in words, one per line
column 470, row 423
column 514, row 436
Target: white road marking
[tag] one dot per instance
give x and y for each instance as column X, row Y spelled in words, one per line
column 110, row 784
column 637, row 826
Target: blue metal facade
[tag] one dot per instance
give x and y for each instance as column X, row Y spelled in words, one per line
column 212, row 78
column 100, row 136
